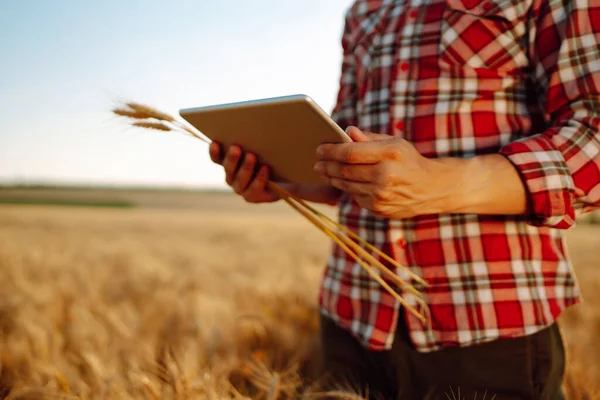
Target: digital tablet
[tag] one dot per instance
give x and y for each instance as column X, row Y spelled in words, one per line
column 284, row 132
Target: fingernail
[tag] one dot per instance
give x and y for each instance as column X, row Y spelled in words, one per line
column 318, row 167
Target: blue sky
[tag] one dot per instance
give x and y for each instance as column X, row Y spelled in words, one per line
column 65, row 62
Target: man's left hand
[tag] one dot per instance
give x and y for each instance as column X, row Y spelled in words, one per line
column 385, row 175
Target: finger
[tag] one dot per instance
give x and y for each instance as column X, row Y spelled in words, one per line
column 231, row 163
column 244, row 174
column 380, row 208
column 370, row 136
column 354, row 188
column 351, row 153
column 349, row 172
column 215, row 153
column 364, row 201
column 257, row 190
column 359, row 136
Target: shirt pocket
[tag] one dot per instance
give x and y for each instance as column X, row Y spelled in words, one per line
column 485, row 34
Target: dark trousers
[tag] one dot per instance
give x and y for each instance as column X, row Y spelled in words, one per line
column 529, row 367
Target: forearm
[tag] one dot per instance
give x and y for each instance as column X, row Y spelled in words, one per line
column 487, row 184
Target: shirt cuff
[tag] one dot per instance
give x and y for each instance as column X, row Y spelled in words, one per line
column 547, row 179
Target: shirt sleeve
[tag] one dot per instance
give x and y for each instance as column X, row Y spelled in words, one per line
column 560, row 166
column 344, row 112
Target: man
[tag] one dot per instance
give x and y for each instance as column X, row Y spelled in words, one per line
column 486, row 141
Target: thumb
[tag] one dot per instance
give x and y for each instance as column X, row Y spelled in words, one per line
column 359, row 136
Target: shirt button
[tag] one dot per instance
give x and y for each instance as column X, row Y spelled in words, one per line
column 413, row 14
column 487, row 6
column 400, row 125
column 404, row 66
column 402, row 243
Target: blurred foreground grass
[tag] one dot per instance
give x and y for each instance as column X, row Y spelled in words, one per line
column 218, row 301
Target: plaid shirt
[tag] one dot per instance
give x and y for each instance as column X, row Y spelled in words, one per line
column 458, row 78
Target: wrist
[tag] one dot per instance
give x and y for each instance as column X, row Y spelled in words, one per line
column 470, row 178
column 486, row 184
column 448, row 182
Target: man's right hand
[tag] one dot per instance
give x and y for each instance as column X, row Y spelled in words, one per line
column 242, row 174
column 251, row 181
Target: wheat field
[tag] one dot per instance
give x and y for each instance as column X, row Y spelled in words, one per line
column 218, row 301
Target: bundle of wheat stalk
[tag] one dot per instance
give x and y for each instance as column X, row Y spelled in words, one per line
column 365, row 254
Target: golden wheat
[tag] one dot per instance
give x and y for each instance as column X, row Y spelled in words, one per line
column 167, row 304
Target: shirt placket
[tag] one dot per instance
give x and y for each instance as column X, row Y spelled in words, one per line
column 402, row 70
column 403, row 92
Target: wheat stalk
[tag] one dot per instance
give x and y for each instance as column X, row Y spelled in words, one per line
column 343, row 243
column 146, row 117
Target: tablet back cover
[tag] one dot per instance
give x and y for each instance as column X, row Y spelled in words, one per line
column 283, row 132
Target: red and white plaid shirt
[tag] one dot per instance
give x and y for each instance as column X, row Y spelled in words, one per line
column 458, row 78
